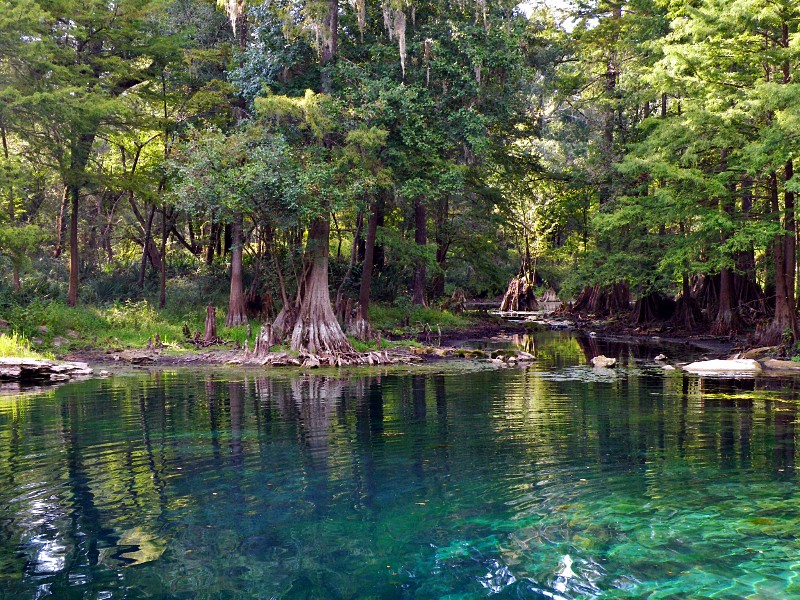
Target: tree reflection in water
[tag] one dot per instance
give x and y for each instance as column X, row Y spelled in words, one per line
column 242, row 484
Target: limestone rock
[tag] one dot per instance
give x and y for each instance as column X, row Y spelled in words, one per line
column 604, row 361
column 34, row 370
column 739, row 365
column 661, row 357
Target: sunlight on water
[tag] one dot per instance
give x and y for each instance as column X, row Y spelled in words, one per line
column 553, row 481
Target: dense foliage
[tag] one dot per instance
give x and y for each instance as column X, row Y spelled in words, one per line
column 328, row 154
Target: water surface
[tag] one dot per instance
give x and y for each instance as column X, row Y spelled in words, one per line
column 555, row 481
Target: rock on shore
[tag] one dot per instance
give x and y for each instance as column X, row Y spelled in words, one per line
column 36, row 370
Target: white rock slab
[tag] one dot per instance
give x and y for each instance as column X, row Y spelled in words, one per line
column 603, row 361
column 738, row 365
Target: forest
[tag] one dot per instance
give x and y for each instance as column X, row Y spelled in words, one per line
column 317, row 165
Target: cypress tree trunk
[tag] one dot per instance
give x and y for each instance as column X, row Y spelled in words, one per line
column 340, row 306
column 210, row 333
column 236, row 306
column 74, row 262
column 785, row 318
column 316, row 330
column 687, row 315
column 790, row 253
column 360, row 327
column 165, row 227
column 212, row 243
column 442, row 246
column 61, row 224
column 727, row 320
column 421, row 238
column 76, row 177
column 148, row 229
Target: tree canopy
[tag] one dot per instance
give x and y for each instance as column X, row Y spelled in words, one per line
column 331, row 154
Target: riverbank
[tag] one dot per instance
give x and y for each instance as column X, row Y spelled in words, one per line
column 421, row 344
column 137, row 334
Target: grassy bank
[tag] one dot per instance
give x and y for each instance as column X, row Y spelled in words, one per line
column 53, row 327
column 16, row 346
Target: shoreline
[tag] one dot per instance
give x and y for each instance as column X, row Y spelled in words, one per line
column 486, row 328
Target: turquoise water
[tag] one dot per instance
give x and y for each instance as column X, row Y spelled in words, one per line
column 555, row 481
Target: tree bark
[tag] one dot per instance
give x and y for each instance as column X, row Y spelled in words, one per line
column 442, row 246
column 61, row 224
column 519, row 296
column 421, row 238
column 76, row 177
column 211, row 244
column 687, row 315
column 360, row 327
column 12, row 217
column 330, row 33
column 339, row 304
column 785, row 317
column 790, row 245
column 165, row 227
column 148, row 231
column 611, row 78
column 316, row 330
column 74, row 264
column 727, row 321
column 210, row 334
column 237, row 314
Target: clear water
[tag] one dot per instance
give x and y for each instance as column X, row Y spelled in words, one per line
column 556, row 481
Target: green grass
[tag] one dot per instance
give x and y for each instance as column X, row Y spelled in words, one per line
column 404, row 320
column 16, row 346
column 372, row 345
column 58, row 328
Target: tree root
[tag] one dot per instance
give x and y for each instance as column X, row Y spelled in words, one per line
column 327, row 359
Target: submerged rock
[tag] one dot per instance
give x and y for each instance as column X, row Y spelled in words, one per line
column 36, row 370
column 603, row 361
column 739, row 365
